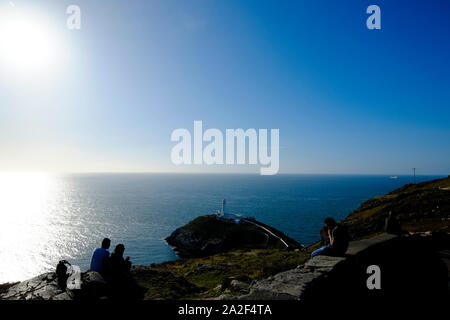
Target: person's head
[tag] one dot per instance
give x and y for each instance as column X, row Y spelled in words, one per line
column 106, row 243
column 120, row 249
column 330, row 223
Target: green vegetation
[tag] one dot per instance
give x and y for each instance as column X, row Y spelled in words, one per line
column 201, row 277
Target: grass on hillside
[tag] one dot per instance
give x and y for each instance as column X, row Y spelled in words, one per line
column 200, row 277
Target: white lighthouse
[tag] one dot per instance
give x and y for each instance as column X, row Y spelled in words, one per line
column 236, row 218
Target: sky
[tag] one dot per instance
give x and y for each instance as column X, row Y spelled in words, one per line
column 346, row 99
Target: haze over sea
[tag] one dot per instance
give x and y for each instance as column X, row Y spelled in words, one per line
column 45, row 218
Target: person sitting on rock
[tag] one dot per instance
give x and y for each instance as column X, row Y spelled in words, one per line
column 100, row 257
column 119, row 274
column 338, row 238
column 117, row 264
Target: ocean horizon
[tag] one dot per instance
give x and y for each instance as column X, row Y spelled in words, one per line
column 49, row 217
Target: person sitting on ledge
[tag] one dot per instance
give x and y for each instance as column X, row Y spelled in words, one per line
column 123, row 284
column 338, row 238
column 118, row 265
column 100, row 257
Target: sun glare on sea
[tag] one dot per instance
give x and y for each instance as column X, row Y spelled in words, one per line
column 27, row 43
column 24, row 198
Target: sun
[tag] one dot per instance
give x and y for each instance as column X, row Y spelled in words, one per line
column 26, row 42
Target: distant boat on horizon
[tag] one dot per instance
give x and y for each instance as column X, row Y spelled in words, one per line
column 393, row 177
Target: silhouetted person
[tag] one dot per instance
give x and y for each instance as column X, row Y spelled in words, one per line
column 100, row 257
column 117, row 264
column 391, row 225
column 338, row 238
column 123, row 284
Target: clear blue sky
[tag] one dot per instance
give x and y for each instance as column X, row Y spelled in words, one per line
column 346, row 99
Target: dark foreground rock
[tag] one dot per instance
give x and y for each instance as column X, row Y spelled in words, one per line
column 291, row 284
column 411, row 266
column 207, row 235
column 45, row 287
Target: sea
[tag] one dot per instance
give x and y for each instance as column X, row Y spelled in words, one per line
column 45, row 218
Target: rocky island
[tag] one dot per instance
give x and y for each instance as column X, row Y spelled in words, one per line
column 221, row 260
column 208, row 235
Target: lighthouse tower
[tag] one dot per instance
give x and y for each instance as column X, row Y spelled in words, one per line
column 222, row 214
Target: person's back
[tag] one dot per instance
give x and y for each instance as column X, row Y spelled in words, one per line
column 100, row 257
column 340, row 240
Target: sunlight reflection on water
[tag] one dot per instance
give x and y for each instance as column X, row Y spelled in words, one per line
column 45, row 218
column 25, row 224
column 39, row 225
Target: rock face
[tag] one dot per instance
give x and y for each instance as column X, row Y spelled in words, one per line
column 45, row 287
column 292, row 284
column 207, row 235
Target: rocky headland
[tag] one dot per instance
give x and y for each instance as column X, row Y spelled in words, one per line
column 208, row 235
column 222, row 260
column 422, row 207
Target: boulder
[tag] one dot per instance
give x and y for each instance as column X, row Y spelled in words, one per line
column 239, row 286
column 93, row 286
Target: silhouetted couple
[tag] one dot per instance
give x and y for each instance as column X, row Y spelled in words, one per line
column 108, row 265
column 114, row 269
column 338, row 239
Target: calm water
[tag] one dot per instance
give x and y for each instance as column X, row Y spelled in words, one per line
column 46, row 218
